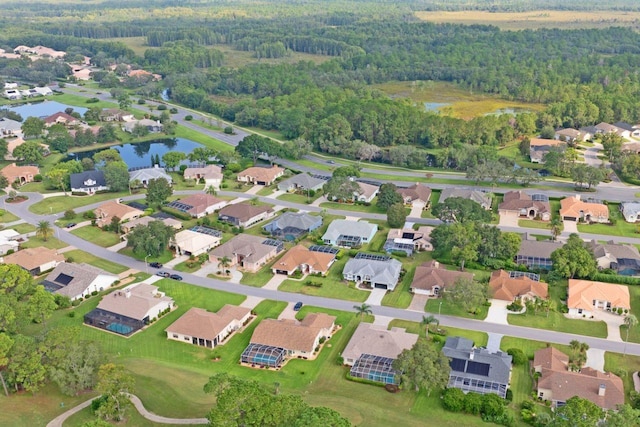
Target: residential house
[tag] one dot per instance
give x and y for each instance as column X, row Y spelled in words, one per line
column 196, row 241
column 608, row 128
column 10, row 127
column 301, row 258
column 537, row 254
column 212, row 175
column 477, row 369
column 198, row 205
column 247, row 252
column 144, row 175
column 274, row 341
column 574, row 209
column 623, row 259
column 558, row 384
column 43, row 91
column 630, row 211
column 431, row 279
column 512, row 285
column 408, row 240
column 372, row 350
column 12, row 94
column 633, row 131
column 538, row 148
column 40, row 51
column 260, row 176
column 631, row 147
column 152, row 126
column 145, row 220
column 19, row 174
column 128, row 310
column 572, row 135
column 88, row 182
column 415, row 194
column 522, row 205
column 245, row 214
column 346, row 233
column 77, row 280
column 291, row 225
column 107, row 210
column 61, row 118
column 366, row 192
column 115, row 115
column 378, row 271
column 35, row 260
column 480, row 197
column 302, row 182
column 81, row 73
column 12, row 144
column 585, row 297
column 206, row 329
column 9, row 241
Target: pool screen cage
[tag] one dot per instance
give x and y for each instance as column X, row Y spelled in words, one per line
column 113, row 322
column 374, row 368
column 263, row 355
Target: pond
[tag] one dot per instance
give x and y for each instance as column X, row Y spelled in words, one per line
column 510, row 111
column 139, row 154
column 44, row 109
column 435, row 106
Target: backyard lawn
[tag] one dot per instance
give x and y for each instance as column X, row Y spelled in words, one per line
column 59, row 204
column 79, row 256
column 620, row 228
column 97, row 235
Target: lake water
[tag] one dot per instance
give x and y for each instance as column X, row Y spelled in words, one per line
column 510, row 111
column 44, row 109
column 139, row 154
column 435, row 106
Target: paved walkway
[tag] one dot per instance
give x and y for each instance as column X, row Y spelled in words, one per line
column 66, row 249
column 595, row 359
column 375, row 297
column 418, row 303
column 493, row 344
column 319, row 200
column 498, row 312
column 206, row 269
column 416, row 209
column 236, row 275
column 60, row 419
column 613, row 322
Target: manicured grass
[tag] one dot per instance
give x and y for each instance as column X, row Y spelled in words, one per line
column 556, row 321
column 37, row 187
column 634, row 333
column 97, row 236
column 265, row 274
column 81, row 101
column 79, row 256
column 614, row 362
column 164, row 257
column 298, row 198
column 265, row 191
column 51, row 243
column 24, row 228
column 452, row 309
column 207, row 141
column 529, row 347
column 620, row 228
column 521, row 383
column 207, row 125
column 132, row 416
column 479, row 338
column 58, row 204
column 401, row 297
column 7, row 216
column 352, row 207
column 530, row 223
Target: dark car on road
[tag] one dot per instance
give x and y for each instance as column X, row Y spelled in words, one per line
column 162, row 274
column 298, row 306
column 175, row 277
column 155, row 264
column 71, row 225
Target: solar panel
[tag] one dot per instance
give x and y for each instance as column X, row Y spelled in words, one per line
column 539, row 197
column 324, row 249
column 408, row 235
column 180, row 206
column 478, row 368
column 64, row 279
column 276, row 243
column 458, row 364
column 372, row 257
column 206, row 230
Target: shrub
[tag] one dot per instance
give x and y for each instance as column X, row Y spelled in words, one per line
column 519, row 358
column 322, row 340
column 141, row 101
column 62, row 301
column 509, row 395
column 228, row 130
column 69, row 214
column 37, row 178
column 92, row 101
column 94, row 293
column 453, row 399
column 340, row 360
column 162, row 107
column 473, row 403
column 75, row 303
column 70, row 259
column 72, row 314
column 515, row 305
column 173, row 110
column 188, row 117
column 492, row 405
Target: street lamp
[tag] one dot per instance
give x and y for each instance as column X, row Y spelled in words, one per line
column 146, row 266
column 439, row 308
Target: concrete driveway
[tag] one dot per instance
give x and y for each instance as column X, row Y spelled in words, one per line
column 416, row 209
column 418, row 303
column 375, row 297
column 613, row 322
column 498, row 312
column 595, row 359
column 508, row 220
column 288, row 312
column 570, row 226
column 275, row 282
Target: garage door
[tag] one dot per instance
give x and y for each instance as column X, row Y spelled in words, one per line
column 380, row 286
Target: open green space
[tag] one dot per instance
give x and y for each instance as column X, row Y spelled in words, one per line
column 37, row 187
column 207, row 141
column 624, row 366
column 265, row 191
column 97, row 236
column 81, row 101
column 51, row 243
column 353, row 207
column 554, row 320
column 298, row 198
column 479, row 338
column 7, row 216
column 401, row 297
column 59, row 204
column 79, row 256
column 634, row 333
column 133, row 418
column 260, row 278
column 450, row 308
column 23, row 228
column 531, row 223
column 618, row 226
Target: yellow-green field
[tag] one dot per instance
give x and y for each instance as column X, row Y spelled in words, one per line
column 564, row 19
column 462, row 102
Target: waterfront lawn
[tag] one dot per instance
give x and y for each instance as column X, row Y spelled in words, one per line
column 81, row 101
column 207, row 141
column 619, row 227
column 79, row 256
column 59, row 204
column 97, row 235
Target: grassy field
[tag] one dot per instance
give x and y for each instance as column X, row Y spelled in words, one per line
column 634, row 333
column 207, row 141
column 79, row 256
column 401, row 297
column 81, row 101
column 620, row 228
column 563, row 19
column 24, row 228
column 51, row 243
column 352, row 207
column 479, row 338
column 297, row 198
column 450, row 308
column 556, row 321
column 97, row 235
column 59, row 204
column 614, row 362
column 7, row 216
column 531, row 223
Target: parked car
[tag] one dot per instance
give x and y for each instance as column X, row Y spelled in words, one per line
column 298, row 306
column 71, row 225
column 163, row 274
column 155, row 264
column 175, row 277
column 331, row 162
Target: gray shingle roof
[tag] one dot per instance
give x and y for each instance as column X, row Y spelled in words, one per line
column 343, row 227
column 145, row 175
column 386, row 272
column 462, row 349
column 302, row 181
column 483, row 199
column 301, row 221
column 78, row 179
column 72, row 279
column 534, row 248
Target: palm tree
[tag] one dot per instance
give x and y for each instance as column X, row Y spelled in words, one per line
column 223, row 263
column 428, row 320
column 44, row 230
column 630, row 321
column 363, row 309
column 211, row 190
column 556, row 227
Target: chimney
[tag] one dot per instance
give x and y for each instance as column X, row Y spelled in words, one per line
column 471, row 354
column 602, row 389
column 127, row 293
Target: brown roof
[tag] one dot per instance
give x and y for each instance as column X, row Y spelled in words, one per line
column 583, row 292
column 517, row 200
column 207, row 172
column 539, row 142
column 198, row 322
column 251, row 248
column 573, row 206
column 416, row 192
column 550, row 358
column 430, row 274
column 262, row 174
column 290, row 334
column 60, row 115
column 200, row 202
column 141, row 298
column 367, row 190
column 109, row 209
column 11, row 172
column 299, row 255
column 243, row 211
column 508, row 288
column 32, row 258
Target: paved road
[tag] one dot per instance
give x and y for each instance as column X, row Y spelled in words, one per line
column 21, row 210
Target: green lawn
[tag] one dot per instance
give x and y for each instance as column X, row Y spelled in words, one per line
column 51, row 243
column 24, row 228
column 164, row 257
column 401, row 297
column 7, row 216
column 260, row 278
column 79, row 256
column 37, row 187
column 530, row 223
column 556, row 321
column 207, row 141
column 185, row 268
column 529, row 347
column 479, row 338
column 265, row 191
column 298, row 198
column 620, row 228
column 614, row 362
column 97, row 235
column 59, row 204
column 81, row 101
column 352, row 207
column 634, row 333
column 451, row 309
